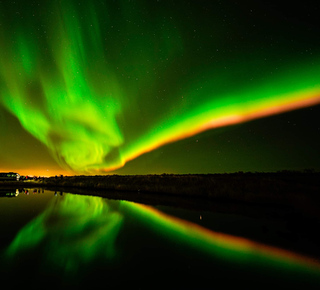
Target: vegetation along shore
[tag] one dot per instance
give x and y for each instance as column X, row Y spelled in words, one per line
column 285, row 187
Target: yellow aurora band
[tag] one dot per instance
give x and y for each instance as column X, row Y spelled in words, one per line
column 100, row 83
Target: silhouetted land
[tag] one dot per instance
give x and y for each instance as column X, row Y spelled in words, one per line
column 285, row 189
column 261, row 188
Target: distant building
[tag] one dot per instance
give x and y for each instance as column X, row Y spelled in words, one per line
column 9, row 176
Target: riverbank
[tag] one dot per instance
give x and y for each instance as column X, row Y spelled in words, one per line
column 260, row 188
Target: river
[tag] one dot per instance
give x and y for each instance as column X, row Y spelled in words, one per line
column 53, row 238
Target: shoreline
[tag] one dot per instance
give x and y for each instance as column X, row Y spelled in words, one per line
column 281, row 188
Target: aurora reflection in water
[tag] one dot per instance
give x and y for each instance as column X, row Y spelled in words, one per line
column 85, row 239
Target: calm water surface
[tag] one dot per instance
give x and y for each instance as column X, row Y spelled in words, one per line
column 65, row 240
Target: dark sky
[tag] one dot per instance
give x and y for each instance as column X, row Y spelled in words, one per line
column 139, row 87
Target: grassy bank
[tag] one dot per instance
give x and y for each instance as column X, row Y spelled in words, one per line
column 264, row 188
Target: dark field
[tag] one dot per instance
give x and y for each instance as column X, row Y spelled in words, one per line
column 283, row 188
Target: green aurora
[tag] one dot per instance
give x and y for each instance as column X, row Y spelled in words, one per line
column 100, row 83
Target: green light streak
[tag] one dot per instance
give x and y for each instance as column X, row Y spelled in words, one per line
column 100, row 83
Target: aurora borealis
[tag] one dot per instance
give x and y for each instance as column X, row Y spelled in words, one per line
column 95, row 86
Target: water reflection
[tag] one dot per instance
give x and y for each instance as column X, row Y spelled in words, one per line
column 79, row 239
column 16, row 192
column 56, row 193
column 9, row 192
column 70, row 232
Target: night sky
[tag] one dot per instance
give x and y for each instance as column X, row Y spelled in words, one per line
column 145, row 87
